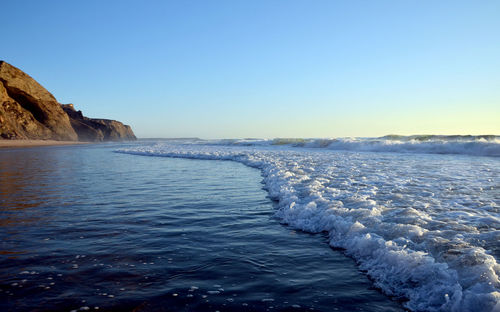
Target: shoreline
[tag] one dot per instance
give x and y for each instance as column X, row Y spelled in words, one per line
column 36, row 143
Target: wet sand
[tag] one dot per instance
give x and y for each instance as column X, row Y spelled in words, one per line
column 33, row 143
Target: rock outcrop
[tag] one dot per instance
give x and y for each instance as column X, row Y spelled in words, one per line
column 97, row 130
column 29, row 111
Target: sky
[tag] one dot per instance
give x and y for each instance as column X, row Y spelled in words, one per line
column 266, row 69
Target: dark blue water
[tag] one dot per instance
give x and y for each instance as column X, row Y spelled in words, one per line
column 83, row 228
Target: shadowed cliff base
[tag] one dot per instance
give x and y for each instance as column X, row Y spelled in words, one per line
column 29, row 112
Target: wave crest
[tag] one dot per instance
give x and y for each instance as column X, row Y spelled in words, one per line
column 482, row 145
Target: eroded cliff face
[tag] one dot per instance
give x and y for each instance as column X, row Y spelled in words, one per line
column 97, row 130
column 28, row 111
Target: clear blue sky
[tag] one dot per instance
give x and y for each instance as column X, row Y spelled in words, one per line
column 223, row 69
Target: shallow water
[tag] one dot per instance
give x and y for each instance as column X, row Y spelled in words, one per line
column 425, row 227
column 83, row 227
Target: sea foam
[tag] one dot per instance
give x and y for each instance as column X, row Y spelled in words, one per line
column 425, row 228
column 486, row 145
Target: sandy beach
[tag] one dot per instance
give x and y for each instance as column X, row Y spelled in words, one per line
column 33, row 143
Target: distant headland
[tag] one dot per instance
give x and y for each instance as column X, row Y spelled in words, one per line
column 29, row 112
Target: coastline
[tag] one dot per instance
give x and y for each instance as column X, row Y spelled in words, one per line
column 35, row 143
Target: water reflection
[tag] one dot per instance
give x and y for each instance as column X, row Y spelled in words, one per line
column 31, row 182
column 82, row 227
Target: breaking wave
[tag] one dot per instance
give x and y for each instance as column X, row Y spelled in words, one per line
column 483, row 145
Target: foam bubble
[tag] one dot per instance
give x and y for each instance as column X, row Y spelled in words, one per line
column 424, row 228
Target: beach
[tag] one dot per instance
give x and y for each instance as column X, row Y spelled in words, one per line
column 253, row 156
column 34, row 143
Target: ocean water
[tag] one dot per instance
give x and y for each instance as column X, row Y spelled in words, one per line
column 420, row 215
column 88, row 228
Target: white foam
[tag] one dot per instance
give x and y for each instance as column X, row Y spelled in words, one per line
column 424, row 228
column 467, row 145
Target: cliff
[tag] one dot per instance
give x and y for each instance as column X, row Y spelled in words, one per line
column 29, row 111
column 91, row 129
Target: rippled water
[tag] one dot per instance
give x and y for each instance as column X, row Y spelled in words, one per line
column 83, row 227
column 425, row 227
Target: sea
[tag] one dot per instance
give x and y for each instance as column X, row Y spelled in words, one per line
column 395, row 223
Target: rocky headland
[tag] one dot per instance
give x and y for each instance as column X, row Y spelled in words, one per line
column 29, row 112
column 97, row 130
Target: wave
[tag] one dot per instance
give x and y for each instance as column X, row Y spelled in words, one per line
column 424, row 232
column 482, row 145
